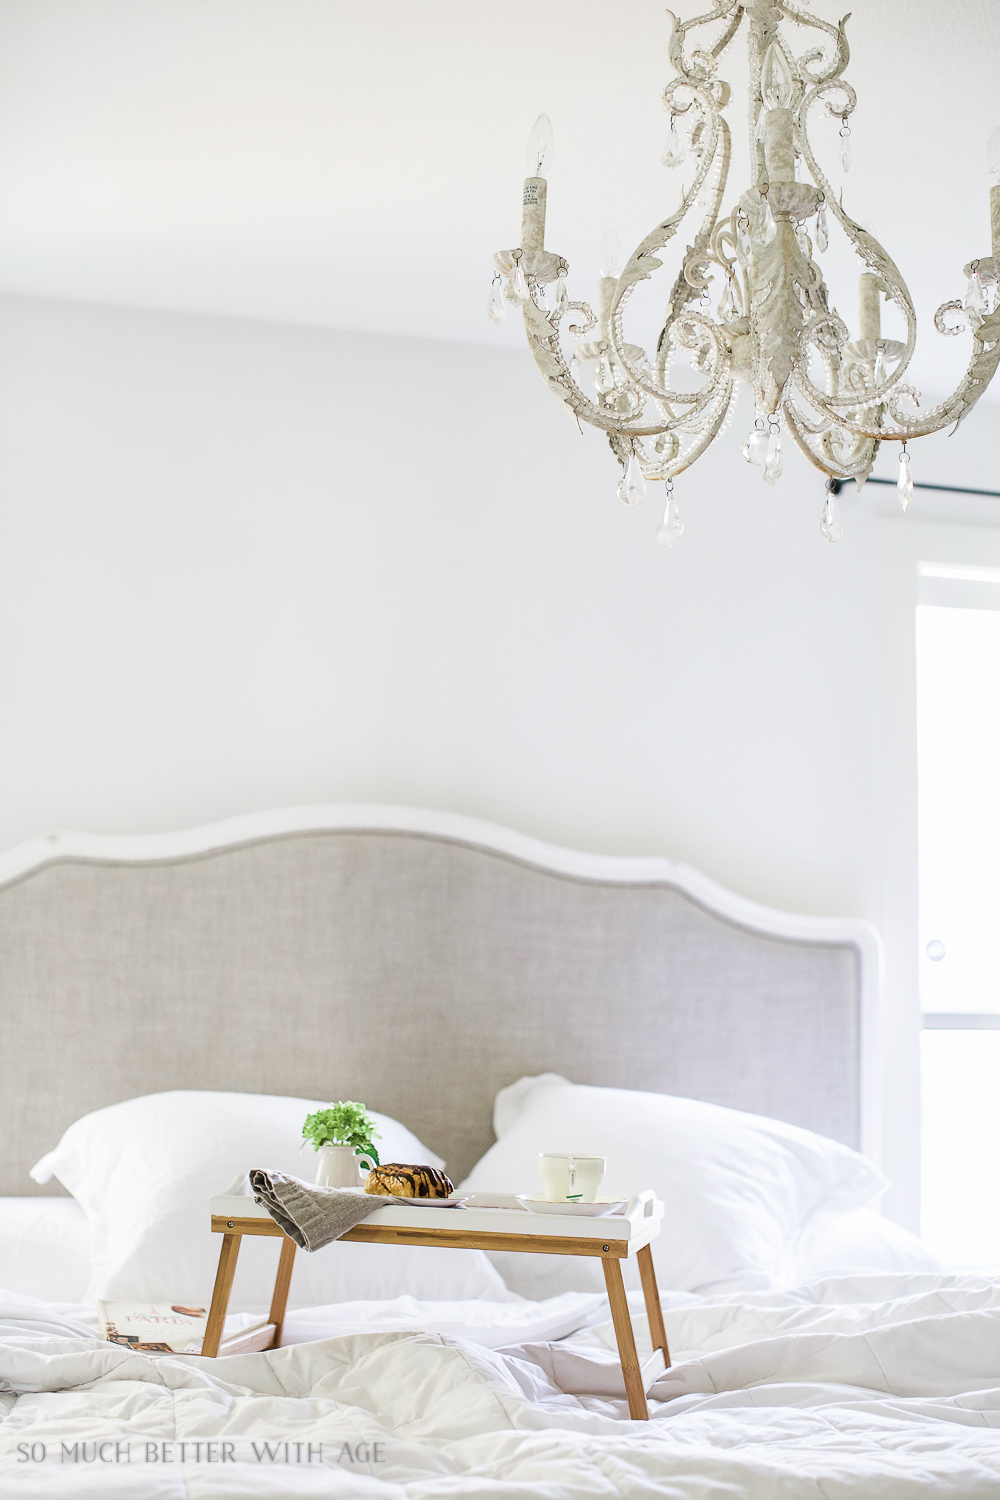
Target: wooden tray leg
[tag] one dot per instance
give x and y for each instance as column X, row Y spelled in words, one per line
column 654, row 1312
column 282, row 1282
column 220, row 1296
column 637, row 1408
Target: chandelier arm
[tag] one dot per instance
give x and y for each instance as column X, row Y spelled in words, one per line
column 800, row 435
column 679, row 332
column 812, row 425
column 680, row 294
column 834, row 366
column 542, row 330
column 669, row 467
column 842, row 52
column 684, row 331
column 729, row 33
column 876, row 258
column 724, row 230
column 691, row 282
column 702, row 64
column 643, row 261
column 982, row 367
column 806, row 437
column 684, row 461
column 543, row 341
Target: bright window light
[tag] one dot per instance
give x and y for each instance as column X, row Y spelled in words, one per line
column 958, row 747
column 961, row 1146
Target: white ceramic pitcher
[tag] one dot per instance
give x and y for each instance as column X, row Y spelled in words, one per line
column 338, row 1167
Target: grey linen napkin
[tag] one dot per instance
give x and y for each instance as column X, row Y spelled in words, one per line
column 313, row 1216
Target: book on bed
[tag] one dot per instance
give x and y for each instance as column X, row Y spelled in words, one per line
column 153, row 1327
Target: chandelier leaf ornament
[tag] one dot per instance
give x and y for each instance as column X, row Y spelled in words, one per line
column 837, row 396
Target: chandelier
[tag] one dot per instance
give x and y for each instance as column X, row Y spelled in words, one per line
column 837, row 396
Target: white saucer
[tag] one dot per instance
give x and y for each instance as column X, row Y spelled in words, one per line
column 536, row 1204
column 454, row 1200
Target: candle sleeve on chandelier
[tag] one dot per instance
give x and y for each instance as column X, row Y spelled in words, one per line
column 993, row 165
column 779, row 150
column 537, row 159
column 869, row 310
column 533, row 214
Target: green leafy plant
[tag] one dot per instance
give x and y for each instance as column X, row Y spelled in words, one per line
column 342, row 1124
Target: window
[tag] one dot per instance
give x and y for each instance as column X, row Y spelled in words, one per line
column 958, row 750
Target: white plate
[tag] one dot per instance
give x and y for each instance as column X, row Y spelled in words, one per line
column 536, row 1204
column 387, row 1200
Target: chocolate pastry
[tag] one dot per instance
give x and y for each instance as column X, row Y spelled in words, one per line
column 400, row 1181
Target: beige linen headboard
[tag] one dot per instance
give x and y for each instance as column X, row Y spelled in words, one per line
column 418, row 961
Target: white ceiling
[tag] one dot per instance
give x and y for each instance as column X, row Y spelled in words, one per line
column 354, row 163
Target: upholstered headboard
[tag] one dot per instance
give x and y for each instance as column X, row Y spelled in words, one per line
column 418, row 961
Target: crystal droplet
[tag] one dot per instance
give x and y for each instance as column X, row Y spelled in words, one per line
column 830, row 523
column 671, row 527
column 727, row 304
column 561, row 295
column 604, row 376
column 673, row 153
column 822, row 230
column 755, row 447
column 845, row 152
column 767, row 227
column 904, row 483
column 802, row 240
column 539, row 296
column 631, row 486
column 975, row 303
column 880, row 371
column 773, row 463
column 743, row 241
column 574, row 369
column 496, row 307
column 517, row 286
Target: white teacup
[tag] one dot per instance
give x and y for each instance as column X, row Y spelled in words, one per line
column 565, row 1176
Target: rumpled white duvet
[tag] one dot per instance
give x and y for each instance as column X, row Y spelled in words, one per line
column 854, row 1388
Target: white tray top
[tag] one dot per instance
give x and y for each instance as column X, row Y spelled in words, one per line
column 496, row 1213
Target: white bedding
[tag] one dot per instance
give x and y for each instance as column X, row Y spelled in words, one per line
column 881, row 1387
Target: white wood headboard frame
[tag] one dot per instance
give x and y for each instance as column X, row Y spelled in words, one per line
column 250, row 828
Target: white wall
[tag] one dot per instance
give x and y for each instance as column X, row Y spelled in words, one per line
column 246, row 565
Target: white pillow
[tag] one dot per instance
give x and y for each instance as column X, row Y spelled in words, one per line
column 739, row 1189
column 44, row 1248
column 863, row 1241
column 143, row 1172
